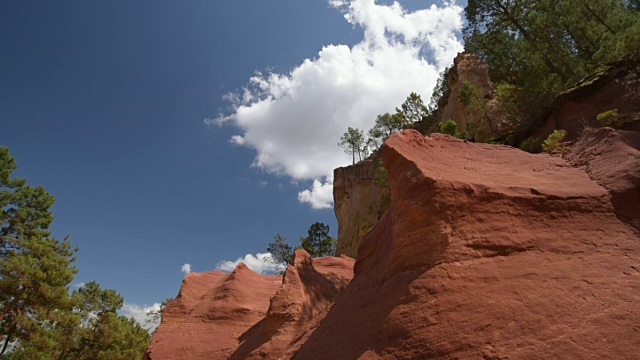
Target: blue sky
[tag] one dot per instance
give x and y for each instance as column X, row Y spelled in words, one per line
column 121, row 109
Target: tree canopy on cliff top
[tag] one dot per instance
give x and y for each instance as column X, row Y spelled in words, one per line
column 544, row 46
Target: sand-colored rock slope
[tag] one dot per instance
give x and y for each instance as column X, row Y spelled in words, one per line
column 486, row 252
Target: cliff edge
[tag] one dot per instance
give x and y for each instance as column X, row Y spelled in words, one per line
column 487, row 252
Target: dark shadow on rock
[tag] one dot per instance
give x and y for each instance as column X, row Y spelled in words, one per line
column 320, row 291
column 357, row 322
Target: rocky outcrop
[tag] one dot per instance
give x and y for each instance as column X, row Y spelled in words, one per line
column 613, row 87
column 481, row 121
column 211, row 312
column 309, row 288
column 245, row 315
column 487, row 252
column 358, row 203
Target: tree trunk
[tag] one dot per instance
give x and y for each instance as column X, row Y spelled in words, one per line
column 601, row 21
column 6, row 342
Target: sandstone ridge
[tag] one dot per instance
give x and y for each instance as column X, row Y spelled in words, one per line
column 245, row 315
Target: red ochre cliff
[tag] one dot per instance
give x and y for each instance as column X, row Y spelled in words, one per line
column 486, row 252
column 210, row 313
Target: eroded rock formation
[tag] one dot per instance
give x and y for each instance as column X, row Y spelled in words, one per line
column 486, row 251
column 245, row 315
column 309, row 288
column 210, row 313
column 488, row 122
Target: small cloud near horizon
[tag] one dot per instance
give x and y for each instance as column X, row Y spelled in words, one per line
column 186, row 269
column 261, row 263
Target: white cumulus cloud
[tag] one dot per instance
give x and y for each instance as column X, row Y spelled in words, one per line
column 320, row 196
column 261, row 263
column 186, row 268
column 294, row 120
column 140, row 313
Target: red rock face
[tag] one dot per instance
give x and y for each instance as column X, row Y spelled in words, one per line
column 487, row 252
column 211, row 312
column 309, row 289
column 245, row 315
column 469, row 68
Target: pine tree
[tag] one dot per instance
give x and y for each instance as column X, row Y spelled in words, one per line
column 353, row 142
column 412, row 110
column 35, row 269
column 37, row 314
column 318, row 243
column 386, row 124
column 281, row 252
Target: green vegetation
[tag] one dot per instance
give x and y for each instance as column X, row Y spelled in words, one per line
column 317, row 243
column 615, row 119
column 281, row 252
column 382, row 182
column 412, row 110
column 473, row 107
column 386, row 124
column 38, row 317
column 450, row 127
column 554, row 139
column 509, row 97
column 538, row 49
column 353, row 142
column 531, row 145
column 565, row 38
